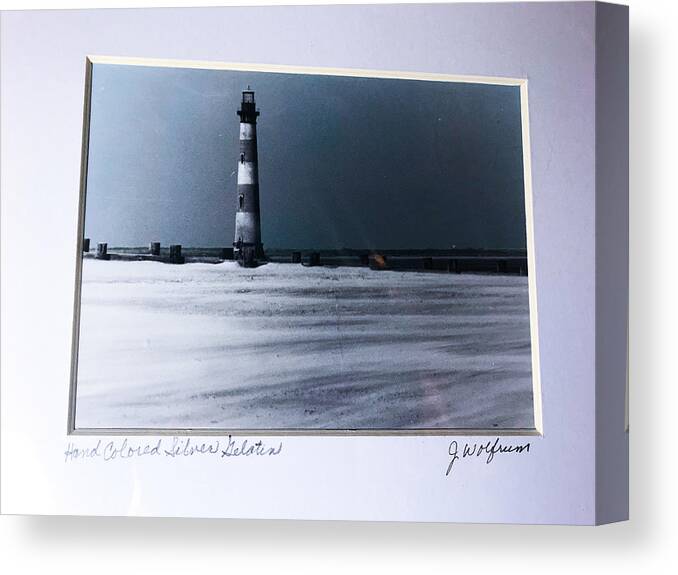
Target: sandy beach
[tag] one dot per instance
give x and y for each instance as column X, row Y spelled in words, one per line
column 289, row 347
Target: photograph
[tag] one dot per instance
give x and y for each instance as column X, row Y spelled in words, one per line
column 303, row 250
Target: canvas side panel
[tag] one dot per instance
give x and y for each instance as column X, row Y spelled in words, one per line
column 612, row 260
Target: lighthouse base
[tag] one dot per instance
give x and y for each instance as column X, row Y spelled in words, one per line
column 249, row 255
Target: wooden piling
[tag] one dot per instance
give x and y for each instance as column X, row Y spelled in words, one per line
column 296, row 257
column 226, row 253
column 154, row 248
column 428, row 263
column 364, row 259
column 314, row 259
column 453, row 266
column 175, row 256
column 85, row 245
column 102, row 252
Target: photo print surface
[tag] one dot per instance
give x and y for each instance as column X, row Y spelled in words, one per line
column 267, row 250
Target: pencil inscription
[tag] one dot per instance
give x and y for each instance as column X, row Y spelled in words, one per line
column 176, row 447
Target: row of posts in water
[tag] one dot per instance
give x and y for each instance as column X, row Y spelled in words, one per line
column 175, row 256
column 371, row 260
column 375, row 261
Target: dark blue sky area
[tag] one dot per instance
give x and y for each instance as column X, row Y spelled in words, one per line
column 343, row 162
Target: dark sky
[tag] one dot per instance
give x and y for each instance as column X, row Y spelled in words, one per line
column 343, row 162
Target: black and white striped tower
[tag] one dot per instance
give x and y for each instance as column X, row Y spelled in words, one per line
column 247, row 246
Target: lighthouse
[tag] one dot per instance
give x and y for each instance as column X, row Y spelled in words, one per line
column 247, row 246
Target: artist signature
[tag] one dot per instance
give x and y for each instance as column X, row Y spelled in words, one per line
column 487, row 450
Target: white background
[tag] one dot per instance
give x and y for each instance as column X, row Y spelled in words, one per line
column 647, row 542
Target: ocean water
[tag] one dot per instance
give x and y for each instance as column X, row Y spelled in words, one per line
column 290, row 347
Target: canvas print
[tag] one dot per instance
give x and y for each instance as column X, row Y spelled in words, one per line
column 281, row 250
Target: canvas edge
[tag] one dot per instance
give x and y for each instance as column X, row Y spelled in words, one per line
column 612, row 262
